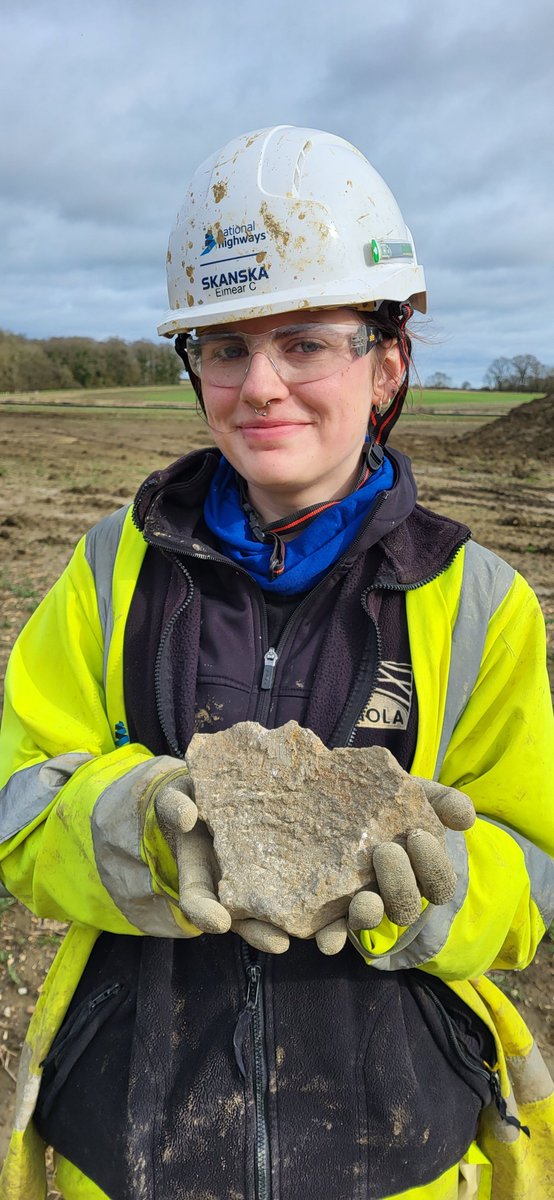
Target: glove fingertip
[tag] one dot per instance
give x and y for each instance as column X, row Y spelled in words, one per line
column 467, row 815
column 454, row 809
column 332, row 938
column 209, row 916
column 262, row 936
column 366, row 911
column 187, row 814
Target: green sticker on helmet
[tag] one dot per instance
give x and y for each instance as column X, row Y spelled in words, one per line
column 393, row 250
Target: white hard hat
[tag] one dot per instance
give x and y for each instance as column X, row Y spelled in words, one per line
column 284, row 219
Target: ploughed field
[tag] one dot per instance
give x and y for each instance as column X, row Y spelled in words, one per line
column 67, row 459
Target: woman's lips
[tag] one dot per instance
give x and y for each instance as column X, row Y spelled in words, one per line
column 265, row 427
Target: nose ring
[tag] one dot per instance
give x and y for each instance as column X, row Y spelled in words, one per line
column 260, row 411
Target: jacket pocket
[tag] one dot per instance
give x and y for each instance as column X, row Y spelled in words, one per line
column 418, row 1105
column 72, row 1039
column 474, row 1067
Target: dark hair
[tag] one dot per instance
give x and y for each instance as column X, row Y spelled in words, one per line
column 180, row 345
column 391, row 318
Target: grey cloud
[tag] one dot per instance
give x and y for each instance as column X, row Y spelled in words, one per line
column 106, row 111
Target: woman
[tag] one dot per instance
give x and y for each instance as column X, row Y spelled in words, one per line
column 289, row 574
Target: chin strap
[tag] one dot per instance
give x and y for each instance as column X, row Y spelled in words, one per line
column 381, row 424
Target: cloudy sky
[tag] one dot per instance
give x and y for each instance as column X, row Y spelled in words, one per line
column 107, row 108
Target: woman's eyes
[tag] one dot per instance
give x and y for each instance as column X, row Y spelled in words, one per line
column 329, row 340
column 295, row 345
column 306, row 347
column 227, row 351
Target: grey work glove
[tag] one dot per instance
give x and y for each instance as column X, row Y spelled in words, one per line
column 192, row 847
column 403, row 876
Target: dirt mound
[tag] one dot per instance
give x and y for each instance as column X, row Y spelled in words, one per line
column 526, row 431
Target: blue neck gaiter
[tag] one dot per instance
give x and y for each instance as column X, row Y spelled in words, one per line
column 312, row 553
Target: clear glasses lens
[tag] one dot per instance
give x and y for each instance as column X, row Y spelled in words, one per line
column 302, row 354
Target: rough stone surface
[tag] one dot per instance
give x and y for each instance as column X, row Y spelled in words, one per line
column 295, row 824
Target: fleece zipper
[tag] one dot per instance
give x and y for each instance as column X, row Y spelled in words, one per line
column 251, row 1023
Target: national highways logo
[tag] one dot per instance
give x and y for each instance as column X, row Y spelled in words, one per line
column 233, row 235
column 209, row 242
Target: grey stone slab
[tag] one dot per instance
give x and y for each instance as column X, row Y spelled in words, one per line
column 295, row 824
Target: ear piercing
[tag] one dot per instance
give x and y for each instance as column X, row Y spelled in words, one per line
column 384, row 403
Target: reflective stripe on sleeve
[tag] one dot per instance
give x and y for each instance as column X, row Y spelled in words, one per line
column 116, row 834
column 30, row 791
column 101, row 546
column 486, row 581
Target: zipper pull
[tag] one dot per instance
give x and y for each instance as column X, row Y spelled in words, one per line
column 254, row 977
column 270, row 662
column 502, row 1107
column 242, row 1027
column 111, row 991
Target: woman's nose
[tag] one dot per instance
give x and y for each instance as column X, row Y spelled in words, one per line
column 262, row 381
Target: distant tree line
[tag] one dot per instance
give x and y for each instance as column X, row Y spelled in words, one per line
column 522, row 373
column 33, row 364
column 440, row 381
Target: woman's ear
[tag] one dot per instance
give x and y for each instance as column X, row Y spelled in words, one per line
column 388, row 376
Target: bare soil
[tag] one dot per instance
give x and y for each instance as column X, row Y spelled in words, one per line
column 62, row 469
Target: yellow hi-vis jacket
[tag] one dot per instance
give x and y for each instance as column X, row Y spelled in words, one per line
column 69, row 849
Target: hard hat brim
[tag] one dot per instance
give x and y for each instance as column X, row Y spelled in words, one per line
column 395, row 283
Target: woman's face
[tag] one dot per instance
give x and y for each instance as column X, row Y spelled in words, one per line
column 307, row 445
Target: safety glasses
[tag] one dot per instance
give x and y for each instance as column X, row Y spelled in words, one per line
column 298, row 353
